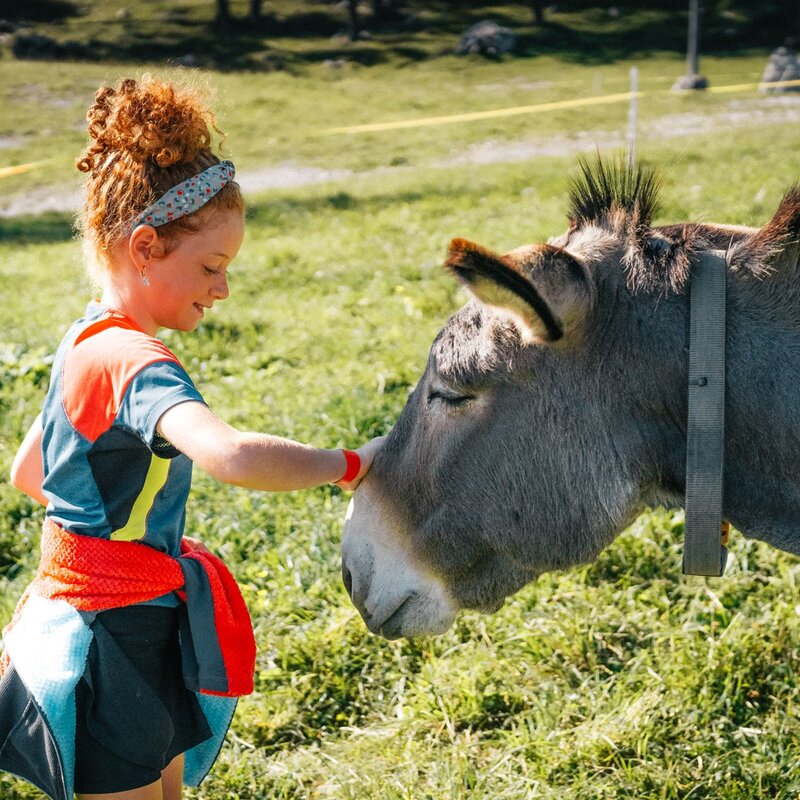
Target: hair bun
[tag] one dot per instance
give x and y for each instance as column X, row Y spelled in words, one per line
column 144, row 120
column 147, row 137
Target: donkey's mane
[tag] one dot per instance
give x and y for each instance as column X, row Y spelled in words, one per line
column 604, row 190
column 624, row 198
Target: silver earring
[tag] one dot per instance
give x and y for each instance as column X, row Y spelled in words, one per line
column 145, row 279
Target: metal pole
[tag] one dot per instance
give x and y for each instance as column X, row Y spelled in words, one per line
column 692, row 79
column 632, row 113
column 692, row 66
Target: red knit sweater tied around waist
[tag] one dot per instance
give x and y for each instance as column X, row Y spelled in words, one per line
column 94, row 574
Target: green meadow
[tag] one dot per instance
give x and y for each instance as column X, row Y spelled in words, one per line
column 623, row 679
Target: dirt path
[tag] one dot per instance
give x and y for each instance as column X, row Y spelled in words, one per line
column 747, row 113
column 750, row 113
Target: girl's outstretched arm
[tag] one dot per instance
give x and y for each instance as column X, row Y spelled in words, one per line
column 27, row 472
column 255, row 460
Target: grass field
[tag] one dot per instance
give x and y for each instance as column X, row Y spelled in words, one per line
column 620, row 680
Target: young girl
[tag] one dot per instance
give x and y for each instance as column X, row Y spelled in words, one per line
column 124, row 657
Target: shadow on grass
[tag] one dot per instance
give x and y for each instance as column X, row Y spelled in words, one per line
column 48, row 228
column 40, row 10
column 267, row 211
column 424, row 30
column 583, row 46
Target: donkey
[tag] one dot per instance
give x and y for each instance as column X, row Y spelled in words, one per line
column 553, row 407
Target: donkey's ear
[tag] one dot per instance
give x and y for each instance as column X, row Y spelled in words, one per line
column 546, row 289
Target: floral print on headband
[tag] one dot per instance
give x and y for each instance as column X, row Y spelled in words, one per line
column 187, row 196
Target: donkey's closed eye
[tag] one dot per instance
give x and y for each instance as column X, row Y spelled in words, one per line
column 450, row 399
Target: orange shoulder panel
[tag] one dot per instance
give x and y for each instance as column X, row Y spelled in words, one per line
column 102, row 361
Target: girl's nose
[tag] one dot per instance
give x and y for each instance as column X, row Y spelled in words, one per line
column 220, row 290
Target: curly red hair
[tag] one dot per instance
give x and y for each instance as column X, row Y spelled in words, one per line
column 148, row 136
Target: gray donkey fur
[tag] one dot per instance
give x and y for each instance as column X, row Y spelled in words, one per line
column 553, row 407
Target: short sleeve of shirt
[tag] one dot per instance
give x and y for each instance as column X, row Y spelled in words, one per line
column 153, row 390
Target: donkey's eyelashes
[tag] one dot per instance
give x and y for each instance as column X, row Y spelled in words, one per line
column 450, row 399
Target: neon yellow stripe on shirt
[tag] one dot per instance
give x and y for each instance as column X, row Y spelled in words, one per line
column 156, row 477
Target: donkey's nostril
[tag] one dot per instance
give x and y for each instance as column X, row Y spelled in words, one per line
column 347, row 578
column 357, row 576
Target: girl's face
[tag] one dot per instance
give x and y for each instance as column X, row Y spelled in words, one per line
column 193, row 274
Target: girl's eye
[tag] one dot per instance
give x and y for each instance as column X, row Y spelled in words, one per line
column 211, row 271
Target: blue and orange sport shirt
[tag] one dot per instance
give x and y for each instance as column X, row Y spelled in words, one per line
column 107, row 472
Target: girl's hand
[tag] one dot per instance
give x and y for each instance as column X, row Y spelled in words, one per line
column 197, row 544
column 366, row 453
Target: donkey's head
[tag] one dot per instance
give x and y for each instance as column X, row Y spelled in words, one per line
column 550, row 413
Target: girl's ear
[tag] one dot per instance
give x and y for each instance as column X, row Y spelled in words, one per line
column 144, row 245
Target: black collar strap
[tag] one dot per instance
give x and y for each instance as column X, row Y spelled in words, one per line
column 705, row 535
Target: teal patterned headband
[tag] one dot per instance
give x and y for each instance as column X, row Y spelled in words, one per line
column 187, row 196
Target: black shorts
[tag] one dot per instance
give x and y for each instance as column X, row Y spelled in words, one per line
column 134, row 713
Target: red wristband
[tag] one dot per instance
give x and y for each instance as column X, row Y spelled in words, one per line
column 353, row 466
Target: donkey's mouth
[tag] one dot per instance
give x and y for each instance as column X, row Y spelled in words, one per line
column 392, row 628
